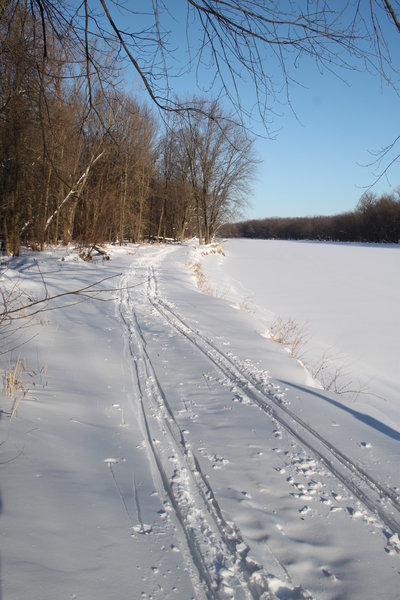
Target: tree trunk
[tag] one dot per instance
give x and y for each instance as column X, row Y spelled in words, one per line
column 124, row 187
column 163, row 215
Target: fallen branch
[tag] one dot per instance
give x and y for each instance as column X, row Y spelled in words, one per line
column 76, row 190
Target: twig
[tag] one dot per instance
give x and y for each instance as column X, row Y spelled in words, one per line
column 87, row 292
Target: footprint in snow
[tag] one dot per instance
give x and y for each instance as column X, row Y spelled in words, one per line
column 239, row 398
column 218, row 461
column 142, row 529
column 305, row 510
column 325, row 500
column 328, row 573
column 356, row 514
column 366, row 445
column 393, row 544
column 337, row 496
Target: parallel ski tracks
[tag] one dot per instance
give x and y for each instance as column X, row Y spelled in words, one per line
column 216, row 547
column 377, row 497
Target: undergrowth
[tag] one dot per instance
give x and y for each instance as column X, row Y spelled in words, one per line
column 18, row 381
column 332, row 375
column 200, row 278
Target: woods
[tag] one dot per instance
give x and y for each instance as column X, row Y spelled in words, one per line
column 84, row 161
column 375, row 219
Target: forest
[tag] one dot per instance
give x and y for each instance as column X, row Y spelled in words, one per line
column 85, row 161
column 375, row 219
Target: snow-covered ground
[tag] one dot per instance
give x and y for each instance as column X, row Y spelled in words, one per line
column 344, row 298
column 163, row 447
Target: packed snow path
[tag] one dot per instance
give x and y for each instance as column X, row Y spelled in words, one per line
column 232, row 477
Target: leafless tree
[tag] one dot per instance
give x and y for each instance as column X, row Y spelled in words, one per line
column 376, row 219
column 221, row 164
column 61, row 62
column 257, row 41
column 231, row 46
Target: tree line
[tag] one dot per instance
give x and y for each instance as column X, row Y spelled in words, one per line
column 375, row 219
column 83, row 161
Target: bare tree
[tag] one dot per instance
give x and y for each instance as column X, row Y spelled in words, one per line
column 176, row 191
column 232, row 45
column 255, row 40
column 221, row 164
column 62, row 58
column 114, row 206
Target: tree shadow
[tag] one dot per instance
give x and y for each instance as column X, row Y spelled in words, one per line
column 367, row 419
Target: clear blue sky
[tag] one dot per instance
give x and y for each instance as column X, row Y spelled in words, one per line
column 315, row 161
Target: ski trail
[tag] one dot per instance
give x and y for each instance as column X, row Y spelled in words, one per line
column 368, row 491
column 214, row 547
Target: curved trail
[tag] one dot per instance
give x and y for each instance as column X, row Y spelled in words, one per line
column 375, row 496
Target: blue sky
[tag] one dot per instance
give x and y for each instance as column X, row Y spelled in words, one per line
column 316, row 160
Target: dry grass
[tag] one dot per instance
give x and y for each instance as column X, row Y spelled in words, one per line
column 38, row 377
column 12, row 380
column 18, row 381
column 214, row 249
column 14, row 386
column 199, row 276
column 290, row 334
column 334, row 377
column 328, row 371
column 245, row 305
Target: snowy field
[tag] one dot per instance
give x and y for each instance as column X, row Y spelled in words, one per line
column 344, row 299
column 162, row 446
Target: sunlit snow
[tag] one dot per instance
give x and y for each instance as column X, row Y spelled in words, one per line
column 164, row 446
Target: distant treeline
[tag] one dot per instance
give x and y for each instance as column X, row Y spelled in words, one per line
column 375, row 219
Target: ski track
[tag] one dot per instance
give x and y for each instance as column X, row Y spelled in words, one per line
column 378, row 498
column 214, row 548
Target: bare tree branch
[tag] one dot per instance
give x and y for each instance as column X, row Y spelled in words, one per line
column 89, row 292
column 393, row 15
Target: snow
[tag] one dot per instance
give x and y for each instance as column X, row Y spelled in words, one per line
column 345, row 296
column 165, row 448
